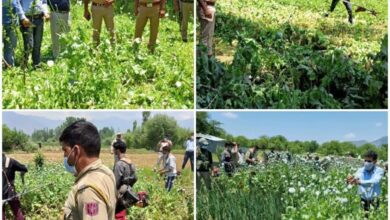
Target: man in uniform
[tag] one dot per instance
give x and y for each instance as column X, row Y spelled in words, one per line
column 59, row 22
column 93, row 195
column 184, row 8
column 10, row 166
column 151, row 10
column 204, row 164
column 206, row 12
column 101, row 10
column 347, row 5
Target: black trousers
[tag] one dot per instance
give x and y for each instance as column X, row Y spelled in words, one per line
column 188, row 155
column 347, row 5
column 366, row 204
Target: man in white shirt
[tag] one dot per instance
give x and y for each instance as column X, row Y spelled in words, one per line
column 189, row 154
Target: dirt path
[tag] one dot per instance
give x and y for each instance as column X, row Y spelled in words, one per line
column 140, row 160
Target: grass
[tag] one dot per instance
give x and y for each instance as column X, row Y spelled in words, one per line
column 126, row 77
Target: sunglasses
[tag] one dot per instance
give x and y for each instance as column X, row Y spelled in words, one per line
column 369, row 161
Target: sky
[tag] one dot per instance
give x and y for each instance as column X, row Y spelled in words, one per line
column 319, row 126
column 119, row 120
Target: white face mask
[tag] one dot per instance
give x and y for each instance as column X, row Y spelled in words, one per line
column 368, row 166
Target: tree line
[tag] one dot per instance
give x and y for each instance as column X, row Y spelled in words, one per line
column 205, row 125
column 147, row 135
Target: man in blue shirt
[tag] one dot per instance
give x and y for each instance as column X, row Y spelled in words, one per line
column 59, row 22
column 189, row 154
column 10, row 8
column 34, row 11
column 368, row 179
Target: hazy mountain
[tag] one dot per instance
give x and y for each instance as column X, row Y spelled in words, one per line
column 28, row 123
column 379, row 142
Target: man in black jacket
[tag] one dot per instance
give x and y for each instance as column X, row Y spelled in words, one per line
column 10, row 166
column 347, row 5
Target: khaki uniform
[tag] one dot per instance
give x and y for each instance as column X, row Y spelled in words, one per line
column 207, row 26
column 151, row 12
column 93, row 196
column 99, row 13
column 186, row 8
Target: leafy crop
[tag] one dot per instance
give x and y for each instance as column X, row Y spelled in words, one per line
column 281, row 60
column 126, row 76
column 50, row 186
column 287, row 191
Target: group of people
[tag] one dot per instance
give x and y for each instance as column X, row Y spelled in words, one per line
column 30, row 16
column 367, row 178
column 97, row 192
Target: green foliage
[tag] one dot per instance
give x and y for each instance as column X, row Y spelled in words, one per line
column 286, row 191
column 13, row 139
column 282, row 60
column 126, row 76
column 207, row 126
column 39, row 160
column 50, row 186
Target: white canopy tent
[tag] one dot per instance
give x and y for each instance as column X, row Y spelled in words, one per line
column 214, row 142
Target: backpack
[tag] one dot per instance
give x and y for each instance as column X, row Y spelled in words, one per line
column 126, row 196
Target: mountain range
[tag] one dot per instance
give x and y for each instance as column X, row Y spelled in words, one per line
column 378, row 142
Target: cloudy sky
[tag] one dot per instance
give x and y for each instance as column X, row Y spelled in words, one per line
column 119, row 120
column 319, row 126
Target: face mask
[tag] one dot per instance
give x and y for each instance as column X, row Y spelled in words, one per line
column 69, row 168
column 369, row 165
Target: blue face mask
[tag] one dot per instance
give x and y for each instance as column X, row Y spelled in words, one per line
column 69, row 168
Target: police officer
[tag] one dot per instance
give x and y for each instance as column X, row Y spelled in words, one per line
column 204, row 163
column 186, row 8
column 10, row 166
column 151, row 10
column 101, row 10
column 93, row 195
column 347, row 5
column 125, row 174
column 206, row 12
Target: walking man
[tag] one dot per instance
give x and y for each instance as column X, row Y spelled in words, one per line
column 189, row 154
column 347, row 5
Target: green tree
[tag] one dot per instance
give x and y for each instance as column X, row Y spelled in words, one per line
column 145, row 117
column 157, row 128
